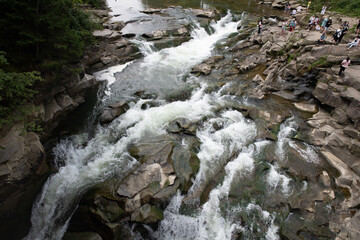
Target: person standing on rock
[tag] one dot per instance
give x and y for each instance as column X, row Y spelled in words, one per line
column 259, row 27
column 323, row 10
column 308, row 6
column 344, row 65
column 323, row 24
column 328, row 24
column 358, row 28
column 283, row 28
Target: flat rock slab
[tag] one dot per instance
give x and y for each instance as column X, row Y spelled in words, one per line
column 306, row 107
column 102, row 33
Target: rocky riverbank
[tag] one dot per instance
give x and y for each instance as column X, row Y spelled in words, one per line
column 293, row 70
column 284, row 75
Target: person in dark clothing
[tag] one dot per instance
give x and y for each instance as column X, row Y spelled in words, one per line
column 328, row 24
column 358, row 28
column 344, row 65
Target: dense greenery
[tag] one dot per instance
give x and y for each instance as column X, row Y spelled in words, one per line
column 15, row 91
column 349, row 7
column 38, row 36
column 39, row 30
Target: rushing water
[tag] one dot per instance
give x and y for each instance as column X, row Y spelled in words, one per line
column 85, row 163
column 234, row 148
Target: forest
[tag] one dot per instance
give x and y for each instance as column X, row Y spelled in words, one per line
column 38, row 36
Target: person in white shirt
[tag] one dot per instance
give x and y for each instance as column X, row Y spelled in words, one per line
column 293, row 12
column 354, row 43
column 323, row 10
column 298, row 9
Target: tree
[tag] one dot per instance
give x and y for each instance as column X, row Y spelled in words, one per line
column 15, row 91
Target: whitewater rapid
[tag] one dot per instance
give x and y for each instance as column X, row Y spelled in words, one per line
column 84, row 163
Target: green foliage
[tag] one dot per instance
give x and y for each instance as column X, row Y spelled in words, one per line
column 38, row 30
column 348, row 7
column 320, row 62
column 15, row 91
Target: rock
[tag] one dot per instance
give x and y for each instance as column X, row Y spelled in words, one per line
column 306, row 107
column 326, row 96
column 65, row 101
column 115, row 36
column 340, row 116
column 154, row 35
column 286, row 95
column 292, row 225
column 353, row 111
column 186, row 165
column 98, row 13
column 87, row 82
column 202, row 68
column 114, row 110
column 147, row 214
column 352, row 132
column 151, row 10
column 204, row 14
column 107, row 209
column 106, row 60
column 81, row 236
column 115, row 26
column 182, row 31
column 246, row 66
column 52, row 109
column 142, row 178
column 122, row 43
column 258, row 79
column 324, row 178
column 102, row 34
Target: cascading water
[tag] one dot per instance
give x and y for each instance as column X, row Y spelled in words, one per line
column 84, row 163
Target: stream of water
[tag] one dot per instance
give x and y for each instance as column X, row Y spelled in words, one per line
column 83, row 163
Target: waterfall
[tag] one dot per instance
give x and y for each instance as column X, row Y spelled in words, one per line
column 87, row 163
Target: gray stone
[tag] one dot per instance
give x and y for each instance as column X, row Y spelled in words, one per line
column 147, row 214
column 306, row 107
column 103, row 34
column 202, row 68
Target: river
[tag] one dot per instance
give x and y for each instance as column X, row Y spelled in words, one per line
column 235, row 205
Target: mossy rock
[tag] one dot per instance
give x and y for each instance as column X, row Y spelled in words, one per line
column 147, row 214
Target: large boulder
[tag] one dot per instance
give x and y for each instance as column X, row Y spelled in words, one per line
column 113, row 111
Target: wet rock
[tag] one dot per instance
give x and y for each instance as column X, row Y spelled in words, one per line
column 147, row 214
column 107, row 209
column 204, row 14
column 306, row 107
column 186, row 164
column 202, row 68
column 142, row 178
column 115, row 26
column 113, row 111
column 292, row 225
column 155, row 35
column 82, row 236
column 151, row 10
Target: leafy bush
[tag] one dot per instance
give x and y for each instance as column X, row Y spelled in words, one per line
column 15, row 91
